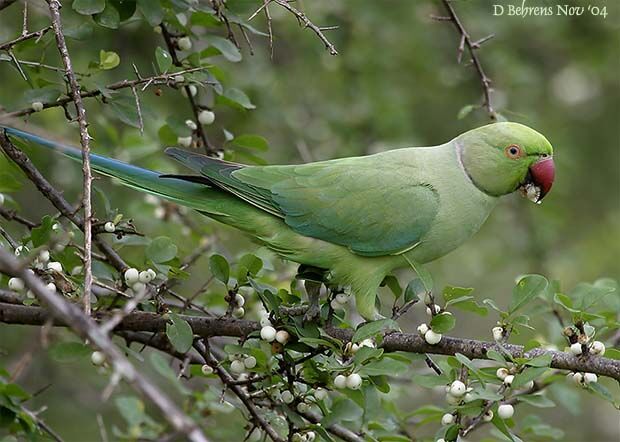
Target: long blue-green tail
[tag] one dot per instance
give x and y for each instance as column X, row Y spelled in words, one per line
column 186, row 193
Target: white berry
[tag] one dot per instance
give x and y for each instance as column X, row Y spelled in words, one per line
column 469, row 397
column 97, row 358
column 598, row 348
column 237, row 366
column 239, row 300
column 131, row 276
column 422, row 328
column 264, row 321
column 184, row 141
column 37, row 106
column 16, row 284
column 432, row 338
column 447, row 419
column 206, row 369
column 44, row 256
column 282, row 337
column 577, row 378
column 440, row 440
column 488, row 416
column 185, row 43
column 590, row 378
column 435, row 309
column 302, row 407
column 501, row 373
column 179, row 79
column 342, row 298
column 320, row 394
column 310, row 436
column 367, row 343
column 505, row 411
column 498, row 333
column 354, row 381
column 452, row 400
column 145, row 276
column 249, row 362
column 340, row 381
column 268, row 333
column 206, row 117
column 109, row 227
column 576, row 348
column 287, row 397
column 55, row 266
column 458, row 389
column 238, row 312
column 51, row 287
column 192, row 90
column 191, row 124
column 508, row 380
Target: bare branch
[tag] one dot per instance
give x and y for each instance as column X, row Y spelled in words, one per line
column 74, row 86
column 485, row 81
column 303, row 19
column 30, row 35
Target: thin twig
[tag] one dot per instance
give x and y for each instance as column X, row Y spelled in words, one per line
column 303, row 19
column 74, row 86
column 485, row 81
column 30, row 35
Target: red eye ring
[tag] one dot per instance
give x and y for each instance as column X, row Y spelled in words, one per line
column 513, row 151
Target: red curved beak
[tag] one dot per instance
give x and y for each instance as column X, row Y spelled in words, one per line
column 543, row 174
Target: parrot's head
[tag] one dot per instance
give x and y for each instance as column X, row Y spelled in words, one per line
column 501, row 158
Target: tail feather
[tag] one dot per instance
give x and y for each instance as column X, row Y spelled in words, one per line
column 187, row 193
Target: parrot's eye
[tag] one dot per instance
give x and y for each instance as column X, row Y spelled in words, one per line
column 513, row 151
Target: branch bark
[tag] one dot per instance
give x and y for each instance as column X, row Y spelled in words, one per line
column 74, row 86
column 409, row 342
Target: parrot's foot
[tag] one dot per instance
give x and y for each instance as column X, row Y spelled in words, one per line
column 313, row 313
column 313, row 289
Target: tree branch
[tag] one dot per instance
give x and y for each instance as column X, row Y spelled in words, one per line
column 84, row 326
column 409, row 342
column 74, row 86
column 37, row 34
column 466, row 41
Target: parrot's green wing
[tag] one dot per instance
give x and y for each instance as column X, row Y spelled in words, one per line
column 374, row 207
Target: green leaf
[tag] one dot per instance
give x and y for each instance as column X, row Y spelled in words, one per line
column 603, row 392
column 108, row 59
column 131, row 409
column 152, row 11
column 537, row 400
column 252, row 263
column 392, row 282
column 612, row 353
column 495, row 356
column 465, row 110
column 472, row 368
column 255, row 142
column 69, row 351
column 109, row 18
column 528, row 287
column 385, row 366
column 372, row 328
column 180, row 333
column 45, row 94
column 236, row 98
column 343, row 409
column 443, row 322
column 423, row 274
column 88, row 7
column 124, row 107
column 161, row 249
column 415, row 289
column 430, row 380
column 540, row 361
column 224, row 47
column 41, row 235
column 220, row 268
column 164, row 60
column 529, row 374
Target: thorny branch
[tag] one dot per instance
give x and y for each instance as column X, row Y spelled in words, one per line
column 74, row 86
column 155, row 80
column 472, row 46
column 409, row 342
column 68, row 313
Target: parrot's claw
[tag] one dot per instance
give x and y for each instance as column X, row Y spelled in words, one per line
column 313, row 313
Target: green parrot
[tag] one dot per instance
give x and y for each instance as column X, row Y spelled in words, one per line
column 357, row 218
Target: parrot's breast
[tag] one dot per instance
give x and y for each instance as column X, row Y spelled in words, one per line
column 463, row 208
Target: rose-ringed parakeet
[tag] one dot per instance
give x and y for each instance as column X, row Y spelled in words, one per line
column 358, row 218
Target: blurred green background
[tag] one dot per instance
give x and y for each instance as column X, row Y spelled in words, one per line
column 396, row 83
